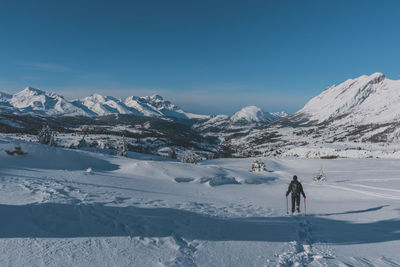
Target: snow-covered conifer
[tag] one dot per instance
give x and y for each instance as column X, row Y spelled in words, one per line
column 52, row 141
column 82, row 142
column 172, row 154
column 320, row 176
column 45, row 135
column 122, row 148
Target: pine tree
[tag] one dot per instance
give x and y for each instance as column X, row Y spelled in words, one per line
column 82, row 143
column 122, row 148
column 45, row 135
column 52, row 141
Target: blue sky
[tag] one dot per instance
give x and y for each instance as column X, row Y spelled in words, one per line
column 206, row 56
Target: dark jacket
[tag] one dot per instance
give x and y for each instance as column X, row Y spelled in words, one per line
column 295, row 188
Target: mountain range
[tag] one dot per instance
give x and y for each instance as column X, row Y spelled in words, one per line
column 37, row 102
column 360, row 110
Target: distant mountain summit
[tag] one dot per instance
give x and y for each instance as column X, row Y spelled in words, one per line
column 239, row 124
column 37, row 102
column 254, row 114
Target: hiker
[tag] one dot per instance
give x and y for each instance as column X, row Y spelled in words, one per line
column 296, row 189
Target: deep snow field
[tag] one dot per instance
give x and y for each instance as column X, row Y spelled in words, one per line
column 62, row 207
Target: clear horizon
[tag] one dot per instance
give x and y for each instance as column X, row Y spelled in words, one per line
column 206, row 57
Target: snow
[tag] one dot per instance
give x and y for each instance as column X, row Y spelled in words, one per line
column 134, row 212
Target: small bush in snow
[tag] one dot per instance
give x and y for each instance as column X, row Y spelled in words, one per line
column 94, row 144
column 257, row 166
column 320, row 176
column 17, row 151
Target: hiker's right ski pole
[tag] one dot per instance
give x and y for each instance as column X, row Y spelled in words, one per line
column 287, row 206
column 305, row 207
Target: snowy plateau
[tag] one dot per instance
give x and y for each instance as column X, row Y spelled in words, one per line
column 78, row 202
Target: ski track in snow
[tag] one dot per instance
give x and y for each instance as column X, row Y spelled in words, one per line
column 368, row 193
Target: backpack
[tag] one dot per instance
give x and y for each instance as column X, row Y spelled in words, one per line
column 296, row 188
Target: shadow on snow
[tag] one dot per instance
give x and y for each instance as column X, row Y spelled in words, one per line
column 67, row 220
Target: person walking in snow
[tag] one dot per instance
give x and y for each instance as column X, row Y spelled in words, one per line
column 296, row 189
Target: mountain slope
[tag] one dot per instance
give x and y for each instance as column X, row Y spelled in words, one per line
column 365, row 100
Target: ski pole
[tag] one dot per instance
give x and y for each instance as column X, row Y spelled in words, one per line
column 305, row 207
column 287, row 206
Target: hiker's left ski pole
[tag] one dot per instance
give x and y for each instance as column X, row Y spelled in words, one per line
column 305, row 207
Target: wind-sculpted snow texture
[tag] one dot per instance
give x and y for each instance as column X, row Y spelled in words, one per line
column 144, row 210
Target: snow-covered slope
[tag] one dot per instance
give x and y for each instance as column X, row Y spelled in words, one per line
column 105, row 105
column 141, row 105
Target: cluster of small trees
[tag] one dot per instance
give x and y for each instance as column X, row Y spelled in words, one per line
column 47, row 136
column 257, row 166
column 189, row 157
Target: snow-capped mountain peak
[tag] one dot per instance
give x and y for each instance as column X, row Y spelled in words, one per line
column 37, row 101
column 252, row 114
column 156, row 98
